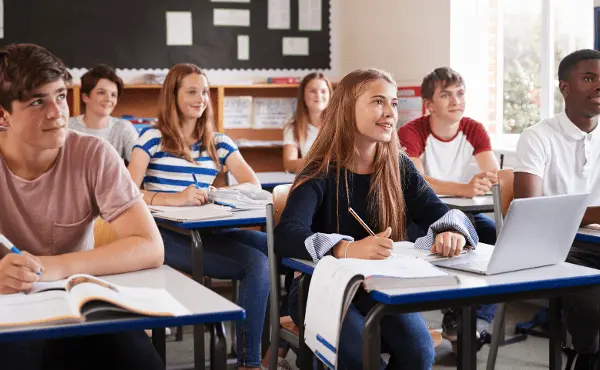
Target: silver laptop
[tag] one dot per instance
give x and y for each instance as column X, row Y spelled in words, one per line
column 536, row 232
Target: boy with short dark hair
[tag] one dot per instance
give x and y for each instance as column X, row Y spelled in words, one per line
column 55, row 183
column 560, row 156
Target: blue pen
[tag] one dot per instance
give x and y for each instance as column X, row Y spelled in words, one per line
column 11, row 247
column 196, row 181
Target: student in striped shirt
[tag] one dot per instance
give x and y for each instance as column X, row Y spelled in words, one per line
column 164, row 162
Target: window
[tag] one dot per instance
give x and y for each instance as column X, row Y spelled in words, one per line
column 526, row 41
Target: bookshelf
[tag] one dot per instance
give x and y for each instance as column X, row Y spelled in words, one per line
column 141, row 101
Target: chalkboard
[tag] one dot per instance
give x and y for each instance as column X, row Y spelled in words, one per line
column 132, row 34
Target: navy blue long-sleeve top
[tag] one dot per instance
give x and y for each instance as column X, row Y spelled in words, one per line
column 308, row 227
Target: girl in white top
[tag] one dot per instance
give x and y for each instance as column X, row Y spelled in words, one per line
column 300, row 133
column 100, row 92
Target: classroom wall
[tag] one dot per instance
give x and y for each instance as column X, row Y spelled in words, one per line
column 596, row 2
column 387, row 34
column 394, row 35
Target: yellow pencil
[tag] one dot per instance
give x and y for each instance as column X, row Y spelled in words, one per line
column 360, row 221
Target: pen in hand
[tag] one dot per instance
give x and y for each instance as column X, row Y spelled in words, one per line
column 196, row 181
column 11, row 247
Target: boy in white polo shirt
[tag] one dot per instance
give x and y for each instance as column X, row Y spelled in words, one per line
column 442, row 146
column 561, row 155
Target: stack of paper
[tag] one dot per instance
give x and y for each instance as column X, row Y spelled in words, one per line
column 190, row 214
column 241, row 197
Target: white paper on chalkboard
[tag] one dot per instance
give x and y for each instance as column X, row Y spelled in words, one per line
column 231, row 17
column 295, row 46
column 179, row 28
column 279, row 15
column 243, row 50
column 309, row 15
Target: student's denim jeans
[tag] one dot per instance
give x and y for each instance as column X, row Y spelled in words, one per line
column 404, row 336
column 486, row 230
column 231, row 254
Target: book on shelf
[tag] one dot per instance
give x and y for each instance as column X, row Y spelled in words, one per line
column 283, row 80
column 83, row 298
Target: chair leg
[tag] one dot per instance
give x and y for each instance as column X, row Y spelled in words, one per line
column 497, row 336
column 235, row 284
column 179, row 334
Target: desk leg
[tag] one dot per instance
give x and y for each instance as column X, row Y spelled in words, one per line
column 467, row 351
column 160, row 343
column 198, row 275
column 305, row 354
column 555, row 334
column 372, row 338
column 218, row 347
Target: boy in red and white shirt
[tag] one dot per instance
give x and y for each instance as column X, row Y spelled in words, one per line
column 442, row 146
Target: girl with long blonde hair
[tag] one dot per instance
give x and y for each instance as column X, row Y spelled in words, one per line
column 356, row 163
column 176, row 162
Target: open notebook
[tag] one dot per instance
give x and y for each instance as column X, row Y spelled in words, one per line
column 84, row 298
column 190, row 214
column 335, row 281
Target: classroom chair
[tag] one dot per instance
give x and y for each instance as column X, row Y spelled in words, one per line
column 280, row 327
column 503, row 195
column 103, row 233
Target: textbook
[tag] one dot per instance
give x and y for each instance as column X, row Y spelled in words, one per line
column 190, row 214
column 335, row 281
column 83, row 298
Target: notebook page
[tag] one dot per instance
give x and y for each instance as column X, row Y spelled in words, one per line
column 324, row 308
column 144, row 301
column 41, row 308
column 404, row 267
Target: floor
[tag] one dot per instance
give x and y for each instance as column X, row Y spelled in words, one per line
column 527, row 355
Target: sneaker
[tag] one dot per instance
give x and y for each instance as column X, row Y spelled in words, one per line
column 149, row 332
column 282, row 364
column 450, row 326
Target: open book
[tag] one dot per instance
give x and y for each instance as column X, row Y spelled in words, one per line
column 335, row 281
column 190, row 214
column 84, row 298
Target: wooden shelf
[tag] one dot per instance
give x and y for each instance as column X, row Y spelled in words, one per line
column 140, row 100
column 261, row 86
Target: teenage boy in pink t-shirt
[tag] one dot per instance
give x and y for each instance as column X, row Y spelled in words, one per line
column 55, row 183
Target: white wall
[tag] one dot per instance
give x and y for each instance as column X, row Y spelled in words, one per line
column 596, row 2
column 405, row 37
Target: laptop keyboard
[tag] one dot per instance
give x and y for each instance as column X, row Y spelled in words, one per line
column 472, row 261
